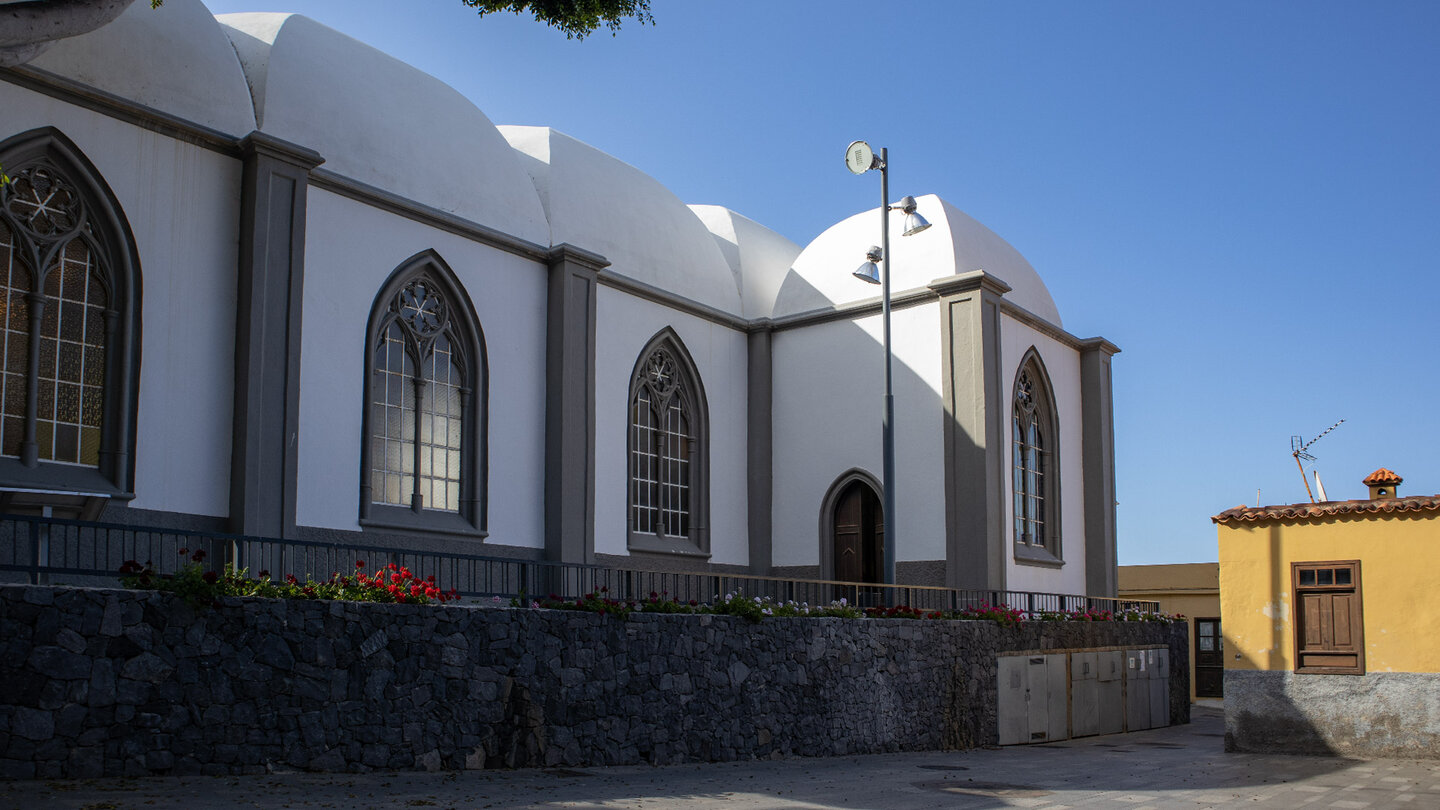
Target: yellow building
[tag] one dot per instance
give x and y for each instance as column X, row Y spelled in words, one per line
column 1330, row 625
column 1192, row 590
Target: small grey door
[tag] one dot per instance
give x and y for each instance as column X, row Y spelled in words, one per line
column 1084, row 694
column 1110, row 684
column 1137, row 691
column 1159, row 687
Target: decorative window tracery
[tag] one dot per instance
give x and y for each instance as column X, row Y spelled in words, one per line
column 666, row 451
column 68, row 312
column 424, row 389
column 1033, row 442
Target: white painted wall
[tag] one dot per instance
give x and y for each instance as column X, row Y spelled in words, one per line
column 1063, row 365
column 351, row 249
column 182, row 203
column 624, row 325
column 829, row 398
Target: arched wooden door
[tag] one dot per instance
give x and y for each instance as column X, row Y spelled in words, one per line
column 859, row 534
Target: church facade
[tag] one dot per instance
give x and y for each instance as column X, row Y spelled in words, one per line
column 239, row 297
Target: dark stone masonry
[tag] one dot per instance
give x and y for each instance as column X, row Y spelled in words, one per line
column 100, row 682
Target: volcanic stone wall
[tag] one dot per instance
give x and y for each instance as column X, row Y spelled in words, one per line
column 100, row 682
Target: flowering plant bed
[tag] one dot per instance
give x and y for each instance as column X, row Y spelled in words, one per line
column 391, row 583
column 757, row 608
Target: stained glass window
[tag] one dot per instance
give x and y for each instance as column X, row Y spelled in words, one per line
column 1032, row 443
column 417, row 403
column 52, row 391
column 664, row 441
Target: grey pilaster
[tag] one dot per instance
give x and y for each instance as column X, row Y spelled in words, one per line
column 1098, row 446
column 570, row 405
column 974, row 430
column 271, row 280
column 759, row 447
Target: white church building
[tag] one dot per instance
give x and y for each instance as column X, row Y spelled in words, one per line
column 237, row 296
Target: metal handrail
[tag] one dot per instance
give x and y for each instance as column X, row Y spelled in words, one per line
column 48, row 549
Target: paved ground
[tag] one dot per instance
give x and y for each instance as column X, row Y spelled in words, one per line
column 1181, row 767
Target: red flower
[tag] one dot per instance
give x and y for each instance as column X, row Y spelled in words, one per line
column 199, row 555
column 210, row 577
column 264, row 574
column 359, row 563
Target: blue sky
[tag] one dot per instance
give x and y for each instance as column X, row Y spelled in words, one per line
column 1245, row 197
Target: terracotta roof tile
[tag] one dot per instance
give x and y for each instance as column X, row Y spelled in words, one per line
column 1255, row 514
column 1382, row 476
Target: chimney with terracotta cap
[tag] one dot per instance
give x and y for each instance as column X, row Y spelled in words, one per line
column 1383, row 484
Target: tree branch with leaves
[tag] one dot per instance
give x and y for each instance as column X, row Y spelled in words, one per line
column 576, row 18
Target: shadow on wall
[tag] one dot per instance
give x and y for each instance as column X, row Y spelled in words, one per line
column 829, row 383
column 1262, row 717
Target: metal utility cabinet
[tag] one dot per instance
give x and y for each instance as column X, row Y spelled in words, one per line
column 1057, row 695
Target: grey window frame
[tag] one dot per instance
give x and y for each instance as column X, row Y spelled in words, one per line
column 696, row 541
column 469, row 340
column 106, row 230
column 1045, row 551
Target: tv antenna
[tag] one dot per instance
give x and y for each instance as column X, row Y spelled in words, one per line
column 1298, row 448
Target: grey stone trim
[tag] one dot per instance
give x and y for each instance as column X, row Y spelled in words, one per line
column 669, row 563
column 827, row 516
column 1391, row 715
column 796, row 571
column 921, row 572
column 905, row 299
column 1040, row 325
column 264, row 456
column 647, row 292
column 392, row 203
column 113, row 244
column 1097, row 450
column 1050, row 554
column 759, row 450
column 122, row 109
column 975, row 428
column 697, row 545
column 570, row 407
column 467, row 350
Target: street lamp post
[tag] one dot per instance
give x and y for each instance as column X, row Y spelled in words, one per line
column 859, row 159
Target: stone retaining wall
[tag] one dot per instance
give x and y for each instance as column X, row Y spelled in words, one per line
column 100, row 682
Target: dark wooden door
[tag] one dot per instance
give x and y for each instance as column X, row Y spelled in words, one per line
column 1209, row 659
column 859, row 534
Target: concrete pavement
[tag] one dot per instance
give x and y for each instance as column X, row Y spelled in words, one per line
column 1181, row 767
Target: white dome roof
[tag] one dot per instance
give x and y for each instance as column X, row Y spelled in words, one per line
column 597, row 202
column 759, row 257
column 955, row 244
column 175, row 59
column 380, row 121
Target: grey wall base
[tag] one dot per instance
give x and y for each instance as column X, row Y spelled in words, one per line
column 1380, row 714
column 124, row 683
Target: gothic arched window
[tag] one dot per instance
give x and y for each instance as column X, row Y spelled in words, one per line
column 69, row 304
column 667, row 443
column 425, row 400
column 1034, row 480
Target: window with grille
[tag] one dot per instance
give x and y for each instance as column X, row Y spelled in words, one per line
column 1033, row 484
column 68, row 315
column 1329, row 620
column 666, row 441
column 424, row 388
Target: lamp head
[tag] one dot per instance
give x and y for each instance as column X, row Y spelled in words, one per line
column 914, row 223
column 868, row 271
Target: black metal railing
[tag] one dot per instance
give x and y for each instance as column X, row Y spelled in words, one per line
column 42, row 550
